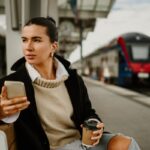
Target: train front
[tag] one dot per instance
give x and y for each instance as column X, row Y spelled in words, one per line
column 136, row 48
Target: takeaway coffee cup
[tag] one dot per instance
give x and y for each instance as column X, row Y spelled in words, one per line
column 88, row 127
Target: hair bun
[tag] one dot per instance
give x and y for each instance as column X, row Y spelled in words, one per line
column 51, row 19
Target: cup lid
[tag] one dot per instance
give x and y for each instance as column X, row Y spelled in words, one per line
column 90, row 124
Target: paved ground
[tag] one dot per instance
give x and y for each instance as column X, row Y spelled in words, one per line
column 121, row 112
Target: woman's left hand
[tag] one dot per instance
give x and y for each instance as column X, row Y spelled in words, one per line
column 98, row 133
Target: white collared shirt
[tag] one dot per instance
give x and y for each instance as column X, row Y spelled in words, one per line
column 60, row 71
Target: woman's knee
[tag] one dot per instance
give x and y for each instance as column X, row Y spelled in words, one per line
column 119, row 142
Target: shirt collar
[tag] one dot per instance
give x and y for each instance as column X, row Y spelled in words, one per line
column 60, row 71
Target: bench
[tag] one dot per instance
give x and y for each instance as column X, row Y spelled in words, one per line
column 7, row 137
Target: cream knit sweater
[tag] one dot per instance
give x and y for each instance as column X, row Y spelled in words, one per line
column 55, row 111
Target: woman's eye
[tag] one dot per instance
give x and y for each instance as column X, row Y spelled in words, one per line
column 24, row 40
column 37, row 40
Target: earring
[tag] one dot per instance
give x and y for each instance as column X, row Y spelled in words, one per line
column 52, row 54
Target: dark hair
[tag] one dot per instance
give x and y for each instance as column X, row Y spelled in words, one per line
column 49, row 23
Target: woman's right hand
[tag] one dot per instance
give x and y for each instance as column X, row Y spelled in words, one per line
column 9, row 107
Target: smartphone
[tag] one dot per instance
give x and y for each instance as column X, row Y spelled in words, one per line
column 15, row 89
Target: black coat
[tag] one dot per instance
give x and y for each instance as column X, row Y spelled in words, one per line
column 29, row 132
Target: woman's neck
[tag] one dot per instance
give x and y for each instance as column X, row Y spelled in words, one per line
column 47, row 70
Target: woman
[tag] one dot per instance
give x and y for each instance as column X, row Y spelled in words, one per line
column 57, row 103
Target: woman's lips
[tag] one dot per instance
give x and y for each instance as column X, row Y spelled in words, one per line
column 30, row 56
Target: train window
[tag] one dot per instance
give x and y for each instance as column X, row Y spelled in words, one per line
column 139, row 52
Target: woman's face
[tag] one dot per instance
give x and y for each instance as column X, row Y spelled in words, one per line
column 36, row 44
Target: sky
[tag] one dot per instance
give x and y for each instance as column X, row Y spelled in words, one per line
column 125, row 16
column 126, row 4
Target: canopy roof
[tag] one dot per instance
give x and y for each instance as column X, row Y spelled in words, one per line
column 86, row 12
column 87, row 8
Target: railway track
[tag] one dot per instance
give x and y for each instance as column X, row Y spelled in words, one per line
column 143, row 89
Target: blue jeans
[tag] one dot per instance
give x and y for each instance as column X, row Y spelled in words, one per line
column 77, row 145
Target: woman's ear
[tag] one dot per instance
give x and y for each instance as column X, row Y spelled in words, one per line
column 54, row 46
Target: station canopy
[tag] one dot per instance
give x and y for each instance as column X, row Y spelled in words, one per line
column 87, row 8
column 71, row 14
column 74, row 12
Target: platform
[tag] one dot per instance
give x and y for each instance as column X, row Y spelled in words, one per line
column 121, row 110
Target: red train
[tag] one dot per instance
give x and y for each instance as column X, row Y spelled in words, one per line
column 125, row 60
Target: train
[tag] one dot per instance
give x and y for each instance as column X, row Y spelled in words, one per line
column 125, row 60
